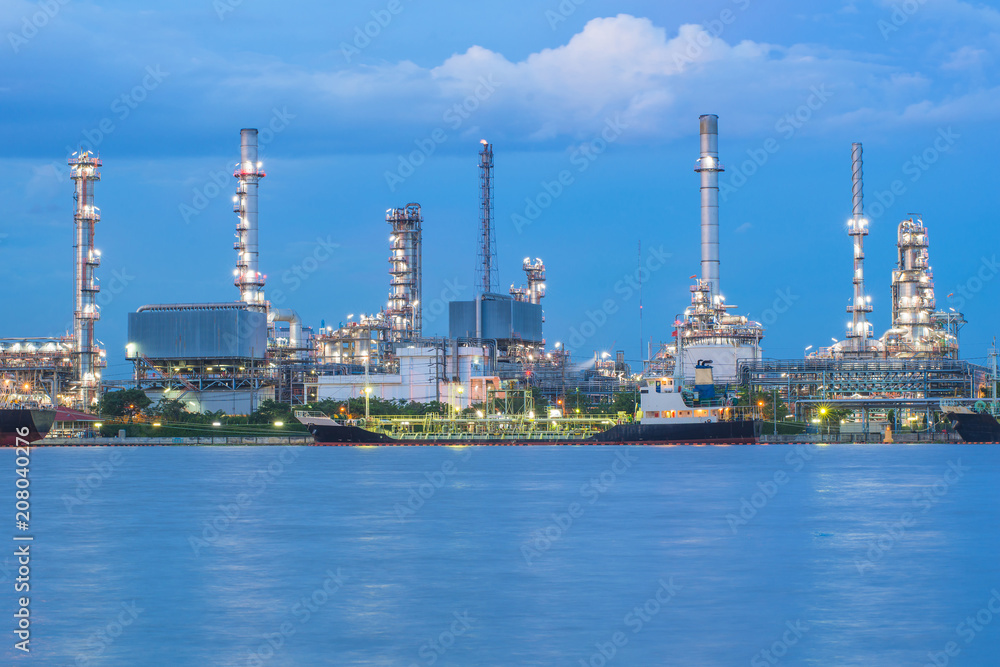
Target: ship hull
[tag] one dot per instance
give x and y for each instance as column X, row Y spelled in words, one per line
column 34, row 423
column 975, row 427
column 722, row 433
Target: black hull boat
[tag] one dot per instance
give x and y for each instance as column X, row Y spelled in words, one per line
column 721, row 432
column 20, row 426
column 975, row 426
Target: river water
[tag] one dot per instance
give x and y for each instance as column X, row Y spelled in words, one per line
column 793, row 555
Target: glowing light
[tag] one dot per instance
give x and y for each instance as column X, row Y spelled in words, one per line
column 279, row 423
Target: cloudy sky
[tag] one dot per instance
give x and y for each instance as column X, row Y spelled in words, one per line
column 369, row 105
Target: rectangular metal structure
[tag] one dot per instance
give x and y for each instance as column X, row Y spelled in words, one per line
column 197, row 332
column 502, row 318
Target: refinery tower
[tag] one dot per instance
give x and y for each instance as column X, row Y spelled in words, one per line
column 706, row 331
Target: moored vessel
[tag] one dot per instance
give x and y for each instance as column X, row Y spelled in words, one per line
column 668, row 415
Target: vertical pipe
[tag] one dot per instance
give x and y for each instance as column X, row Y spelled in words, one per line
column 709, row 167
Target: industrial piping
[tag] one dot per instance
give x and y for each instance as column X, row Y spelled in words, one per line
column 709, row 167
column 294, row 327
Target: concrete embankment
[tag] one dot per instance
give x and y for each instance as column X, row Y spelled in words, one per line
column 155, row 442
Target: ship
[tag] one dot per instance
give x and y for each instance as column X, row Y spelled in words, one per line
column 21, row 425
column 974, row 424
column 668, row 415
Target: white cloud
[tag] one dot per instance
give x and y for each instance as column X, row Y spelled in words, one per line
column 625, row 66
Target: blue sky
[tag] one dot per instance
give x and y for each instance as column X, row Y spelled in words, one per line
column 163, row 89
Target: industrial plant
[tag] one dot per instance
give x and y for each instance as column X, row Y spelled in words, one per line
column 232, row 356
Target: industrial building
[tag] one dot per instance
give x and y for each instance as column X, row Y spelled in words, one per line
column 231, row 356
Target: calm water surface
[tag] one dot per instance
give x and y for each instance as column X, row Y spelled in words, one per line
column 839, row 555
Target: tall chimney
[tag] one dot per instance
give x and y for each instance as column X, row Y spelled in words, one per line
column 249, row 280
column 709, row 167
column 859, row 331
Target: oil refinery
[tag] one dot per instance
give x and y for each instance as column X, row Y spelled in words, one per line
column 232, row 356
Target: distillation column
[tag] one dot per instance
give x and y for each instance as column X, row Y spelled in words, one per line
column 860, row 330
column 405, row 271
column 913, row 285
column 85, row 171
column 249, row 280
column 709, row 167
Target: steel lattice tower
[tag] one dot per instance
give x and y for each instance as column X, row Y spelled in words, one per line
column 486, row 274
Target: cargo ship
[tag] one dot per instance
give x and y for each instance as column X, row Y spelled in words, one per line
column 20, row 425
column 975, row 424
column 667, row 416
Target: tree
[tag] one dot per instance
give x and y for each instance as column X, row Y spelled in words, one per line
column 170, row 410
column 123, row 402
column 271, row 411
column 623, row 401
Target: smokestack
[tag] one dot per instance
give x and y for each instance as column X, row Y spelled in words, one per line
column 249, row 280
column 709, row 167
column 85, row 172
column 859, row 330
